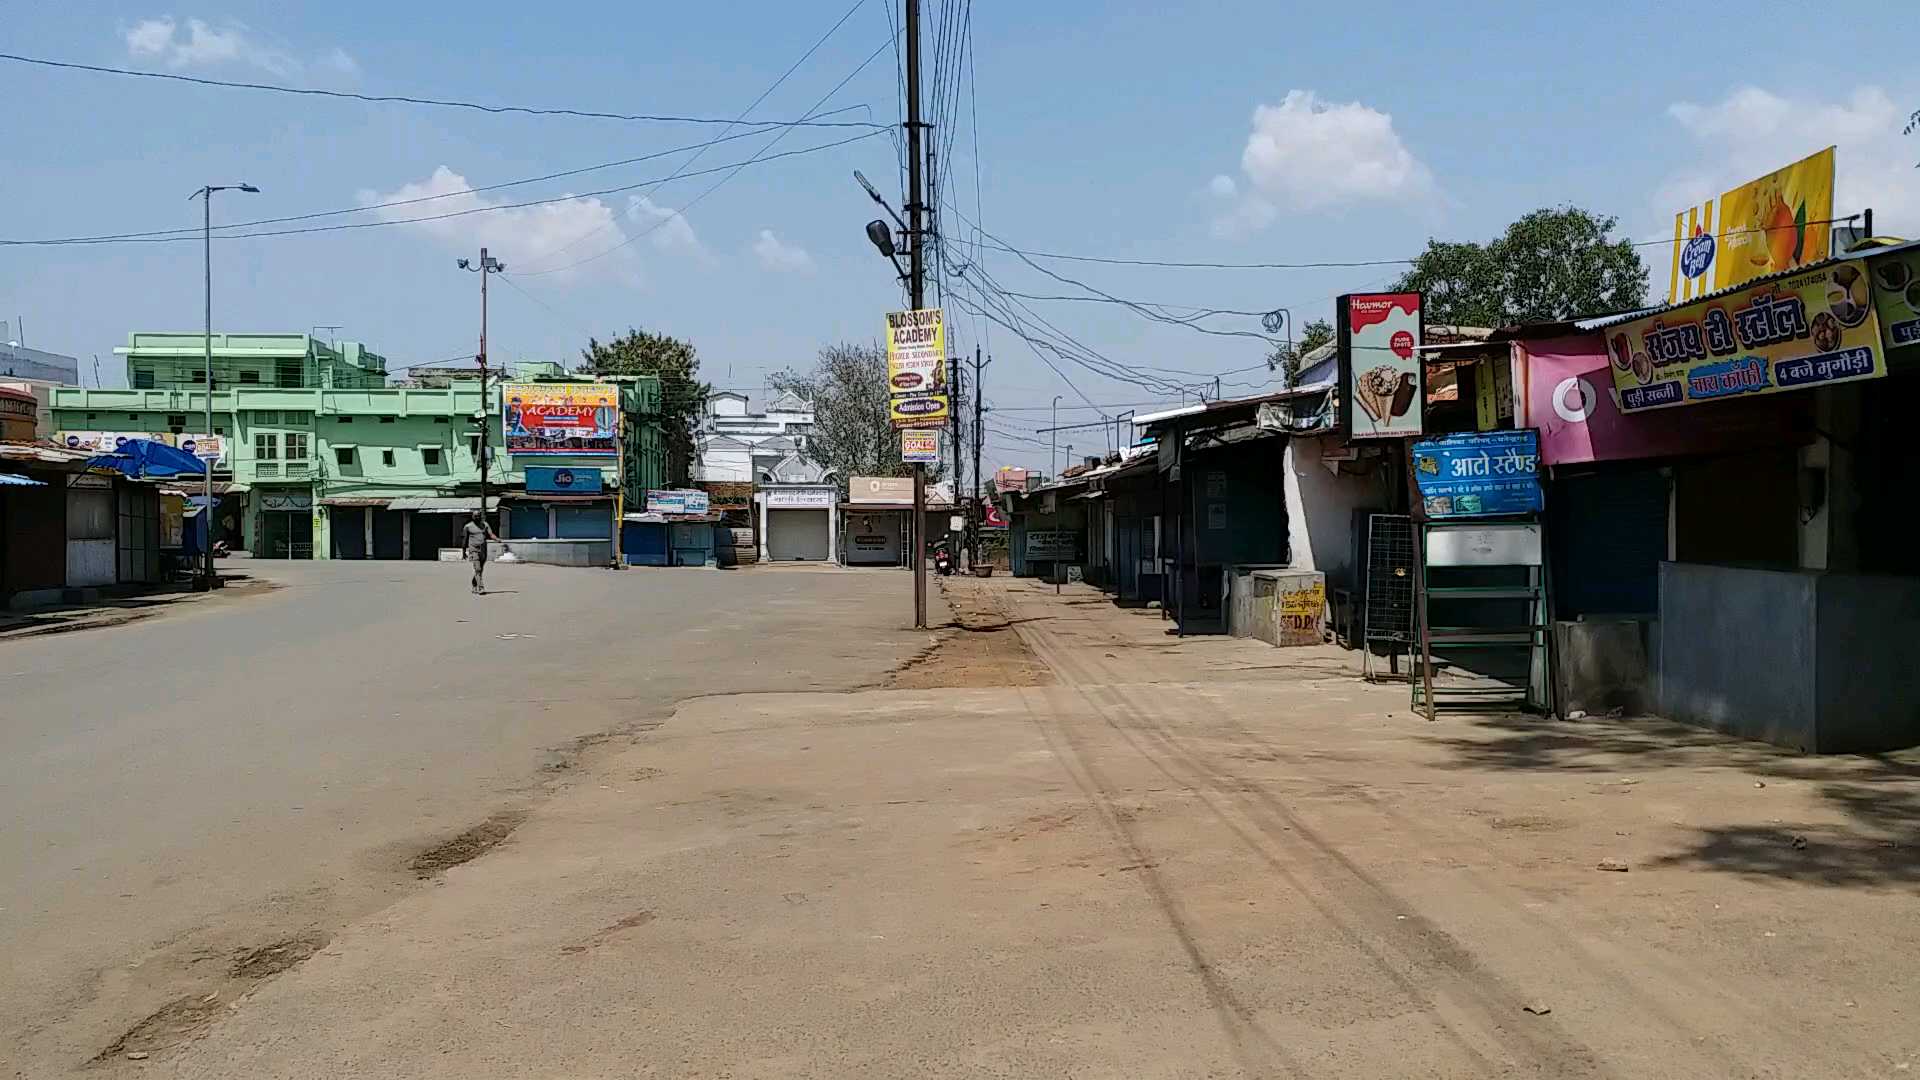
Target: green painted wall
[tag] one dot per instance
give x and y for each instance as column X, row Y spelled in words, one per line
column 373, row 442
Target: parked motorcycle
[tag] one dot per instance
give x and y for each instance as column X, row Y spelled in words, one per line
column 942, row 560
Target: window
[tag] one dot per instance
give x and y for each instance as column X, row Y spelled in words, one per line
column 266, row 446
column 134, row 416
column 387, row 419
column 220, row 431
column 346, row 419
column 286, row 373
column 473, row 446
column 296, row 446
column 143, row 379
column 443, row 419
column 176, row 422
column 430, row 456
column 92, row 416
column 250, row 377
column 296, row 417
column 343, row 456
column 386, row 458
column 266, row 417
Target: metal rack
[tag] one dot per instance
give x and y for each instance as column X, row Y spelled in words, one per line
column 1388, row 600
column 1508, row 560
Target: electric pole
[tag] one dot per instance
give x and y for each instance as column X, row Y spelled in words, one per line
column 957, row 393
column 917, row 291
column 487, row 268
column 979, row 437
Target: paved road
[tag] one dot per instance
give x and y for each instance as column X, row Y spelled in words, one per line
column 188, row 786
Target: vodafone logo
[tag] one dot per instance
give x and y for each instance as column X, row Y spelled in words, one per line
column 1574, row 385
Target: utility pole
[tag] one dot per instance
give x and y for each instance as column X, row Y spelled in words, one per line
column 956, row 393
column 979, row 436
column 917, row 290
column 205, row 195
column 488, row 267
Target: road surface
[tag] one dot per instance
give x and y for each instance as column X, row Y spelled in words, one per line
column 183, row 789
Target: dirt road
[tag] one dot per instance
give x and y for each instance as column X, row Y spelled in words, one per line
column 1163, row 858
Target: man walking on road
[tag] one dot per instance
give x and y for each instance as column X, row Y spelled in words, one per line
column 475, row 536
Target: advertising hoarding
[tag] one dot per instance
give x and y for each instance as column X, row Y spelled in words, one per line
column 1801, row 332
column 1382, row 385
column 917, row 367
column 1477, row 474
column 560, row 419
column 1765, row 226
column 920, row 445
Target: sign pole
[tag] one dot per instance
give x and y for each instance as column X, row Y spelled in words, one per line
column 917, row 287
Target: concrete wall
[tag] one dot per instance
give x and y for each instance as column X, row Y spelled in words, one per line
column 1320, row 506
column 556, row 552
column 1737, row 651
column 1816, row 662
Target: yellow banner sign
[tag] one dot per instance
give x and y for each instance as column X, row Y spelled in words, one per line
column 1798, row 333
column 1775, row 223
column 917, row 367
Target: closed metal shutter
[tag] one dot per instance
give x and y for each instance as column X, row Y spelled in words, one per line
column 91, row 558
column 797, row 535
column 1608, row 533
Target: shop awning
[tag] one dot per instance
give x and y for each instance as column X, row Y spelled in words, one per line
column 442, row 504
column 516, row 496
column 11, row 480
column 353, row 500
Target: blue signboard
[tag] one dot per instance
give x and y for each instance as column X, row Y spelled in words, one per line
column 1479, row 474
column 557, row 480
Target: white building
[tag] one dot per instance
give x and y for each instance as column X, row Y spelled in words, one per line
column 736, row 445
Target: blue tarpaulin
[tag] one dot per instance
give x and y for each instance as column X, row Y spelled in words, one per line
column 144, row 458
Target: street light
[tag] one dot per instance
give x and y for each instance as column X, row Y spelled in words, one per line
column 1053, row 460
column 205, row 195
column 488, row 267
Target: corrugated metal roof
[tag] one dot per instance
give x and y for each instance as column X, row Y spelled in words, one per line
column 10, row 480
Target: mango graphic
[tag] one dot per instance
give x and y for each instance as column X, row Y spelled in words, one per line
column 1783, row 236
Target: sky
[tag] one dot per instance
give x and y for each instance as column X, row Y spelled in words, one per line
column 1215, row 132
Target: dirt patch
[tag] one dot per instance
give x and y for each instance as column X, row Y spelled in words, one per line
column 979, row 648
column 467, row 846
column 275, row 958
column 172, row 1023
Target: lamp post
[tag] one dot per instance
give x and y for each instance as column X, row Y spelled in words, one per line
column 487, row 267
column 205, row 195
column 1053, row 459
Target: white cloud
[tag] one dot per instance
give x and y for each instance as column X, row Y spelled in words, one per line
column 530, row 237
column 1309, row 154
column 201, row 44
column 776, row 255
column 666, row 229
column 1753, row 131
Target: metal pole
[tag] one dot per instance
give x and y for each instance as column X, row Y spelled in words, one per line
column 206, row 207
column 956, row 393
column 1053, row 458
column 917, row 289
column 485, row 421
column 973, row 505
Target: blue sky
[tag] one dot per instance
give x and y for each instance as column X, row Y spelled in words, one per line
column 1218, row 132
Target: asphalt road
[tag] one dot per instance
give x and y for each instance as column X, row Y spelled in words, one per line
column 182, row 789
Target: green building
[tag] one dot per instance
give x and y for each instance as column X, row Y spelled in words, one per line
column 321, row 458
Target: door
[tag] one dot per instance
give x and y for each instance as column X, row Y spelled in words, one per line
column 91, row 558
column 797, row 535
column 389, row 535
column 348, row 525
column 590, row 522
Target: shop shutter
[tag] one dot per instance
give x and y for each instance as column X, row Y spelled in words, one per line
column 1608, row 534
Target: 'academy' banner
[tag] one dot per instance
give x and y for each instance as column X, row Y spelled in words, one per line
column 560, row 419
column 917, row 368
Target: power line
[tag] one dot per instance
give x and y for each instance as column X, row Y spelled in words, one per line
column 775, row 85
column 411, row 100
column 716, row 185
column 368, row 207
column 162, row 239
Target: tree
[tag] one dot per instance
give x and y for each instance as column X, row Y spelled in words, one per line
column 683, row 396
column 1555, row 263
column 1286, row 356
column 852, row 427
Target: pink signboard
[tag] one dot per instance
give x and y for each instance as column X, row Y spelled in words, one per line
column 1565, row 389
